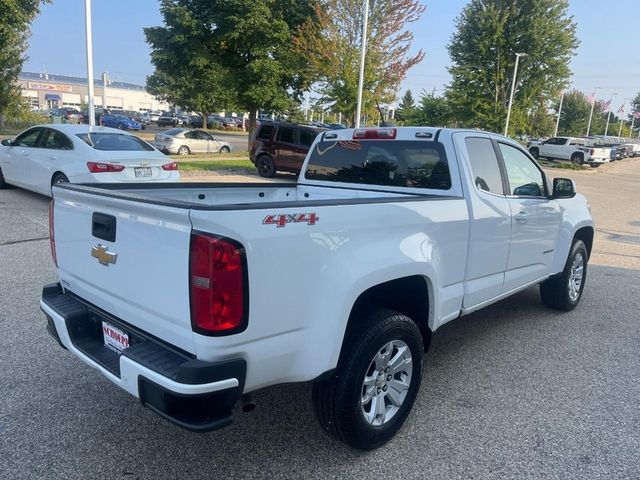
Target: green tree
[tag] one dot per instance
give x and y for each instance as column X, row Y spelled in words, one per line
column 489, row 34
column 332, row 49
column 574, row 117
column 236, row 53
column 15, row 19
column 406, row 108
column 433, row 111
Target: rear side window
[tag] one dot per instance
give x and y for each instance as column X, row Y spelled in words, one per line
column 55, row 140
column 307, row 137
column 484, row 165
column 415, row 164
column 265, row 132
column 286, row 135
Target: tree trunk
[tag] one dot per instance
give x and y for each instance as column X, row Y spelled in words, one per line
column 1, row 121
column 253, row 114
column 204, row 121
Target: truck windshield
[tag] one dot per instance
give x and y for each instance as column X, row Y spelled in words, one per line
column 115, row 142
column 416, row 164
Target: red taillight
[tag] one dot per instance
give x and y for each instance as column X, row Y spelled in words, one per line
column 218, row 285
column 170, row 166
column 52, row 237
column 374, row 134
column 99, row 167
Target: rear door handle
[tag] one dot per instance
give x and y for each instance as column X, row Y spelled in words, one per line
column 521, row 217
column 52, row 157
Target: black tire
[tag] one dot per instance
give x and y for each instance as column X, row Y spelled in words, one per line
column 556, row 291
column 535, row 152
column 595, row 165
column 266, row 167
column 59, row 178
column 120, row 126
column 224, row 150
column 577, row 158
column 3, row 184
column 184, row 150
column 337, row 401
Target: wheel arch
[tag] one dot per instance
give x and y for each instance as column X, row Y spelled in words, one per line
column 411, row 295
column 53, row 175
column 585, row 234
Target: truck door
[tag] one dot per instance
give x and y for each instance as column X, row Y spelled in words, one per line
column 490, row 219
column 535, row 219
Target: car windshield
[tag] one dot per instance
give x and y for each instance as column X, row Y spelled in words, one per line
column 114, row 142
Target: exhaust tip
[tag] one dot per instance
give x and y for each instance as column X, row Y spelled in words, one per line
column 247, row 404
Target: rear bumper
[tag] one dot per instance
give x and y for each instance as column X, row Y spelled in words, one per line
column 193, row 394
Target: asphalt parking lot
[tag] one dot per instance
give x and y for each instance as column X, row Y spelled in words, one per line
column 512, row 391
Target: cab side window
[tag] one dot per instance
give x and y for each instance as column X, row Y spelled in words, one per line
column 484, row 165
column 307, row 137
column 286, row 135
column 28, row 138
column 525, row 178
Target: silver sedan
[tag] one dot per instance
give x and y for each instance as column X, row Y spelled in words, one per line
column 184, row 141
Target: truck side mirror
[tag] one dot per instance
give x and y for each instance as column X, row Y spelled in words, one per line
column 6, row 142
column 563, row 188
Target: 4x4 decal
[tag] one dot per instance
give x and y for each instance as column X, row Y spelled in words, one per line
column 282, row 219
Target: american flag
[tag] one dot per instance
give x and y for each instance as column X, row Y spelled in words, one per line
column 349, row 145
column 591, row 99
column 606, row 105
column 636, row 114
column 622, row 108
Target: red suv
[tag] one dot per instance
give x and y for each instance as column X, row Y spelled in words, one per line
column 281, row 147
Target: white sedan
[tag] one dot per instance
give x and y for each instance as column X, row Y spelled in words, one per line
column 47, row 154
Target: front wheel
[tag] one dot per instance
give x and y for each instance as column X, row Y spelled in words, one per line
column 369, row 397
column 563, row 291
column 224, row 150
column 3, row 184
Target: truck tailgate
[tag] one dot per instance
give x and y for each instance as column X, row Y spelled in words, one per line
column 139, row 272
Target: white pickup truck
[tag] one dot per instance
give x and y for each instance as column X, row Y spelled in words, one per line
column 577, row 150
column 191, row 296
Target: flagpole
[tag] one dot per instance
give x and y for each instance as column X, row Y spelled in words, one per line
column 555, row 134
column 606, row 129
column 363, row 51
column 593, row 104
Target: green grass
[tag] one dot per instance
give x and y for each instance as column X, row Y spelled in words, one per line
column 229, row 164
column 561, row 165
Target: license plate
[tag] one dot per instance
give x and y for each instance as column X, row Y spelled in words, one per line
column 143, row 172
column 114, row 338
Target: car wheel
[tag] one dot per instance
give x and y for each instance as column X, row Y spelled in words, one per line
column 59, row 178
column 224, row 150
column 535, row 153
column 184, row 150
column 376, row 382
column 120, row 126
column 266, row 167
column 595, row 165
column 563, row 291
column 577, row 158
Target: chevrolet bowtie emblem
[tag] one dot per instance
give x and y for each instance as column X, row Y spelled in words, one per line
column 103, row 255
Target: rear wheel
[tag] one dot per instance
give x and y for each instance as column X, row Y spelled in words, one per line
column 224, row 150
column 563, row 292
column 535, row 153
column 184, row 150
column 266, row 167
column 376, row 382
column 59, row 178
column 120, row 126
column 577, row 158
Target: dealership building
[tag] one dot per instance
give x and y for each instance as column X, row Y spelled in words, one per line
column 46, row 91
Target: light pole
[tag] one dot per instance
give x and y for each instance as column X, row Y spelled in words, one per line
column 513, row 87
column 363, row 51
column 87, row 19
column 622, row 116
column 555, row 134
column 606, row 129
column 593, row 104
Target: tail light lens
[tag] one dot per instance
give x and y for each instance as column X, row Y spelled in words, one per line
column 374, row 134
column 52, row 236
column 170, row 166
column 218, row 285
column 99, row 167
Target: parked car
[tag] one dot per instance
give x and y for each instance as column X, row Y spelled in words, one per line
column 45, row 155
column 183, row 141
column 154, row 116
column 120, row 122
column 281, row 147
column 570, row 148
column 99, row 111
column 390, row 234
column 170, row 119
column 139, row 117
column 69, row 115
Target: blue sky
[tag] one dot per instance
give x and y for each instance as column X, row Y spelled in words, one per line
column 608, row 55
